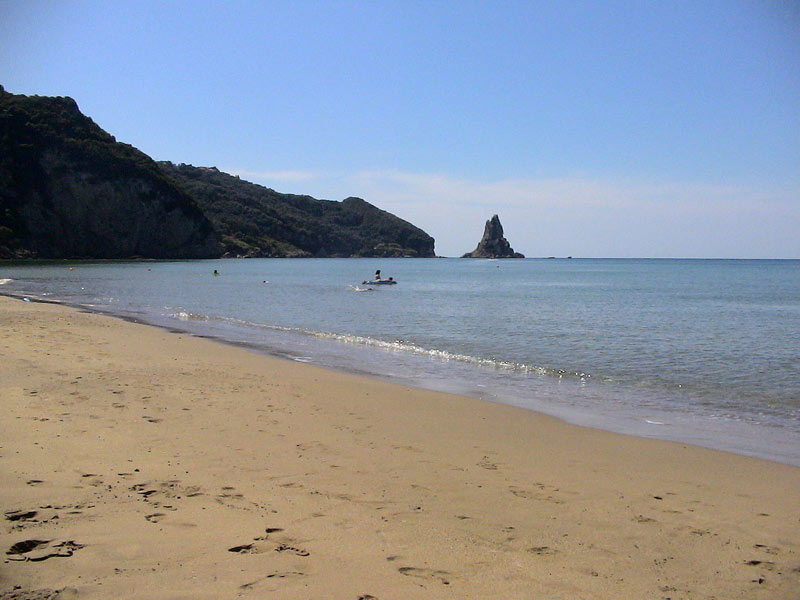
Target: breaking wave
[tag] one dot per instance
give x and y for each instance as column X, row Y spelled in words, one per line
column 398, row 345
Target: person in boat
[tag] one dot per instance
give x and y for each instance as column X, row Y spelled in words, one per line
column 378, row 275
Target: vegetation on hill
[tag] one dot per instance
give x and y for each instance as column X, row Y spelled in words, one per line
column 257, row 221
column 68, row 189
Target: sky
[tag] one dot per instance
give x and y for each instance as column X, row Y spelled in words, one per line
column 593, row 129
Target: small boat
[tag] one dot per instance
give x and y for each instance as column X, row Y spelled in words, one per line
column 389, row 281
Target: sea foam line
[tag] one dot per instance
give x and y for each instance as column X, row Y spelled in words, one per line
column 397, row 346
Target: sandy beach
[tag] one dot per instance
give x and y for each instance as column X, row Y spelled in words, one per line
column 140, row 463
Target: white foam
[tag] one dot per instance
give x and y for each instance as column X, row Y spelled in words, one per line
column 188, row 316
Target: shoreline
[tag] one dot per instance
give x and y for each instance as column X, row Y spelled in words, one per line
column 164, row 465
column 678, row 428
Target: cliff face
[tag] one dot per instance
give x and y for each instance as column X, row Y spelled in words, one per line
column 68, row 189
column 493, row 244
column 257, row 221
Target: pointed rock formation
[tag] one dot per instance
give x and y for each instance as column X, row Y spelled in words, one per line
column 493, row 244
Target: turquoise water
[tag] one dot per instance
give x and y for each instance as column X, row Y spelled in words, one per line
column 700, row 351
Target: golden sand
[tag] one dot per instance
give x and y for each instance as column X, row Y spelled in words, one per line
column 138, row 463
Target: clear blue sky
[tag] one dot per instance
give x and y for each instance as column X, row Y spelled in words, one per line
column 628, row 128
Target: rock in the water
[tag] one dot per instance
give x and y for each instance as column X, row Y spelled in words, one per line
column 493, row 244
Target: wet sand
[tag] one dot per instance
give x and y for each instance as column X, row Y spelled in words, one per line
column 138, row 463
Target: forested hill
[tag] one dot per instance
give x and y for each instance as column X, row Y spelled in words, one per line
column 253, row 220
column 68, row 189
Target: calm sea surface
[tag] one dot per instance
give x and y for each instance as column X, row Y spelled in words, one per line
column 699, row 351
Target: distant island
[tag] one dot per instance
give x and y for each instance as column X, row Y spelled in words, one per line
column 68, row 189
column 493, row 244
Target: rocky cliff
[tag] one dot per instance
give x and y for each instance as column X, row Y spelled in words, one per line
column 68, row 189
column 257, row 221
column 493, row 244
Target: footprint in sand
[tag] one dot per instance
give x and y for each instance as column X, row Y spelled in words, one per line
column 230, row 492
column 271, row 578
column 292, row 550
column 263, row 544
column 260, row 547
column 408, row 448
column 38, row 550
column 643, row 519
column 20, row 515
column 155, row 517
column 429, row 574
column 542, row 550
column 764, row 564
column 291, row 484
column 314, row 446
column 285, row 574
column 520, row 493
column 24, row 518
column 486, row 463
column 533, row 495
column 233, row 499
column 156, row 493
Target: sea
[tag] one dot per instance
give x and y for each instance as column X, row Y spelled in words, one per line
column 705, row 352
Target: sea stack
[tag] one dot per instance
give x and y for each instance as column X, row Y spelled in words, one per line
column 493, row 244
